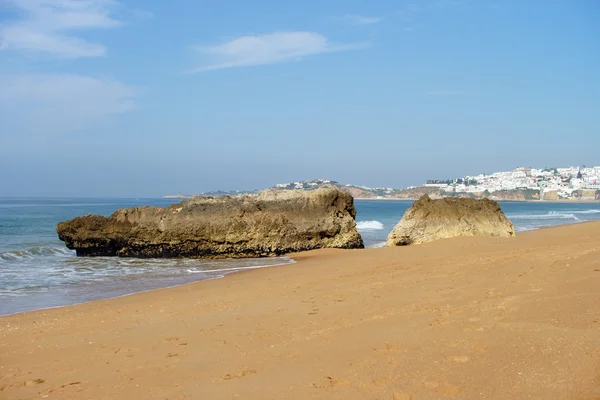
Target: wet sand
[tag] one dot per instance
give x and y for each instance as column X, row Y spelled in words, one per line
column 464, row 318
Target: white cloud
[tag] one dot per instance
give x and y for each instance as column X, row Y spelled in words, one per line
column 359, row 19
column 22, row 38
column 62, row 102
column 48, row 27
column 267, row 49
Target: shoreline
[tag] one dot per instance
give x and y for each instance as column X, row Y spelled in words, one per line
column 467, row 317
column 227, row 272
column 377, row 245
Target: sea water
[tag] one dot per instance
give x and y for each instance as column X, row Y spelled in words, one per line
column 38, row 271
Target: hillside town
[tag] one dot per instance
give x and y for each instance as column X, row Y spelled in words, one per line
column 520, row 184
column 564, row 181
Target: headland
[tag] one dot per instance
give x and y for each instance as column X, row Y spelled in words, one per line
column 570, row 184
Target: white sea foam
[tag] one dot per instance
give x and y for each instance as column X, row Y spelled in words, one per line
column 40, row 251
column 195, row 271
column 54, row 276
column 377, row 245
column 524, row 228
column 369, row 226
column 586, row 212
column 549, row 215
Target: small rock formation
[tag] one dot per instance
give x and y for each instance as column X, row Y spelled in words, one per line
column 585, row 194
column 551, row 195
column 428, row 220
column 268, row 224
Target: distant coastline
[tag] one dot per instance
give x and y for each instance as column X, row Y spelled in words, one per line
column 571, row 185
column 186, row 197
column 415, row 192
column 500, row 200
column 413, row 198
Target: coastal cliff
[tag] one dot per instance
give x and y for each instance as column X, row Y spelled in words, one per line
column 268, row 224
column 427, row 220
column 434, row 191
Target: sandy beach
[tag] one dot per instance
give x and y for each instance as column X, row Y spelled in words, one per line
column 463, row 318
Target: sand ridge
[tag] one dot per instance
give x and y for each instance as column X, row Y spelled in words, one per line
column 464, row 318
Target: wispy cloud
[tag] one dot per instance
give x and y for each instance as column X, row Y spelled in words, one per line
column 49, row 27
column 267, row 49
column 59, row 102
column 355, row 19
column 446, row 92
column 62, row 102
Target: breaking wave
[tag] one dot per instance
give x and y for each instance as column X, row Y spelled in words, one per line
column 40, row 251
column 281, row 261
column 549, row 215
column 369, row 226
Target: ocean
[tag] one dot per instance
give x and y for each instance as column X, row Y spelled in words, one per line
column 37, row 271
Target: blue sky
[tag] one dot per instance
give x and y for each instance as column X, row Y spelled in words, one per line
column 154, row 97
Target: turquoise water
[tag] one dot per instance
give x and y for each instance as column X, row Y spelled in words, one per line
column 38, row 271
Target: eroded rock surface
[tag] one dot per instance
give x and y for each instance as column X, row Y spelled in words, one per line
column 269, row 224
column 427, row 220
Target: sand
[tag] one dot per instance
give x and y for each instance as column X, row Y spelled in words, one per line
column 463, row 318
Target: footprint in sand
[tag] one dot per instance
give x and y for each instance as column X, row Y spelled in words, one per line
column 33, row 382
column 388, row 348
column 329, row 382
column 62, row 386
column 238, row 374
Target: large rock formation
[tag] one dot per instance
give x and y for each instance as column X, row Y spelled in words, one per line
column 428, row 220
column 268, row 224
